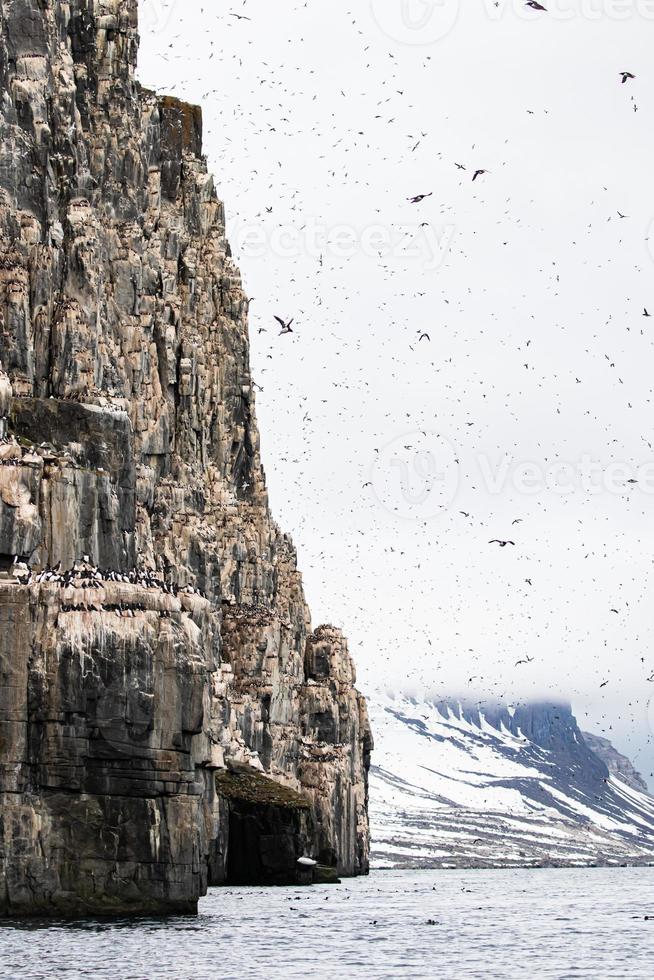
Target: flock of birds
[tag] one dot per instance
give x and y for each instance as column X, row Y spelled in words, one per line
column 84, row 575
column 513, row 344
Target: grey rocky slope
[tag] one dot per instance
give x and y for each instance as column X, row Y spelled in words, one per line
column 125, row 385
column 615, row 762
column 464, row 785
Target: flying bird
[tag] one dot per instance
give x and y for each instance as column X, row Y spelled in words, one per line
column 535, row 5
column 478, row 173
column 502, row 544
column 527, row 660
column 626, row 75
column 419, row 197
column 424, row 336
column 286, row 327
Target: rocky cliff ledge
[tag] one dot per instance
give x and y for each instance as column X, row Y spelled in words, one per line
column 155, row 643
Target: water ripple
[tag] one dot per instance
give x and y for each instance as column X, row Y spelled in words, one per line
column 559, row 924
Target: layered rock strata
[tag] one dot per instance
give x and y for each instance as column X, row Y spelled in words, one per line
column 180, row 647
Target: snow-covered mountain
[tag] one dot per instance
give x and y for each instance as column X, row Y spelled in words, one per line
column 454, row 785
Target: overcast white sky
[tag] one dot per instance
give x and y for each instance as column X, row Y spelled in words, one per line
column 530, row 287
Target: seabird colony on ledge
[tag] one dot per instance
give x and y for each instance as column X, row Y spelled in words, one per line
column 85, row 575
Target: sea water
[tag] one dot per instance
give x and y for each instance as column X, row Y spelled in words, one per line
column 394, row 924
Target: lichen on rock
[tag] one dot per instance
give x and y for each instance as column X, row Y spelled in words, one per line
column 129, row 441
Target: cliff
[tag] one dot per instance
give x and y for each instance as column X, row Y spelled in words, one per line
column 155, row 642
column 617, row 764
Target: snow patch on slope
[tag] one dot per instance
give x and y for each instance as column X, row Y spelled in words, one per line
column 455, row 786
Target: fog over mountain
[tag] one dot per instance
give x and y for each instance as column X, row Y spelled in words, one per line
column 394, row 460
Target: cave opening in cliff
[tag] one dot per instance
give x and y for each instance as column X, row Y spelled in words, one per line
column 262, row 846
column 269, row 829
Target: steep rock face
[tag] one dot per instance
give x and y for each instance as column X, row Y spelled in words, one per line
column 617, row 764
column 129, row 436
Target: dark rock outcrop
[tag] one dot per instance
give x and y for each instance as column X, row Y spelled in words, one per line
column 616, row 763
column 128, row 443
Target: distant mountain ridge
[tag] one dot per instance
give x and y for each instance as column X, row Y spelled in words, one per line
column 459, row 785
column 616, row 763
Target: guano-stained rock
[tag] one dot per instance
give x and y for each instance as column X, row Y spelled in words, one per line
column 129, row 443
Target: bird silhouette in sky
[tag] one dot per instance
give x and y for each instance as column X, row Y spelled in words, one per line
column 286, row 326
